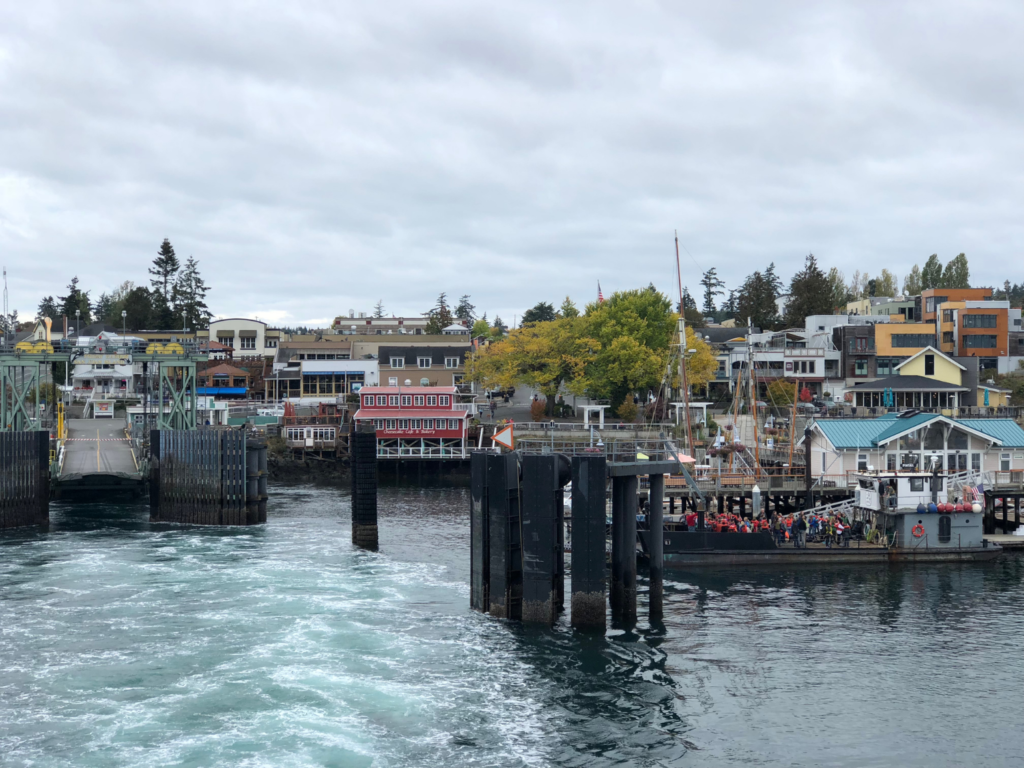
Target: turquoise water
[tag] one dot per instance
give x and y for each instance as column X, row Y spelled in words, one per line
column 129, row 644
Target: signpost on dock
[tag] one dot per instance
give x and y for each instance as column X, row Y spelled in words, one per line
column 505, row 438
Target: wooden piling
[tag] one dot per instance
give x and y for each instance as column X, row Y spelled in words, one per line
column 364, row 486
column 587, row 609
column 657, row 546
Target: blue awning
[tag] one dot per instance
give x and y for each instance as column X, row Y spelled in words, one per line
column 220, row 390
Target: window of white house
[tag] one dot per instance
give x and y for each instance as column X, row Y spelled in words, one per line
column 443, row 400
column 227, row 341
column 428, row 423
column 398, row 362
column 392, row 399
column 248, row 342
column 862, row 461
column 453, row 423
column 368, row 400
column 1004, row 462
column 451, row 362
column 810, row 367
column 890, row 461
column 424, row 362
column 391, row 424
column 270, row 344
column 417, row 400
column 382, row 399
column 431, row 399
column 406, row 400
column 976, row 462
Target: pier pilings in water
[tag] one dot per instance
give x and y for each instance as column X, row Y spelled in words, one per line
column 589, row 480
column 543, row 477
column 24, row 478
column 363, row 450
column 207, row 477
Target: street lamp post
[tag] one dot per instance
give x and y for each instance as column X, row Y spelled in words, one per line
column 78, row 323
column 124, row 322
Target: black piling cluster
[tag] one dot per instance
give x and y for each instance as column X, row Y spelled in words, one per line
column 364, row 486
column 24, row 479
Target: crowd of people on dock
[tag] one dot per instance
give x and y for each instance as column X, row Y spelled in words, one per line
column 799, row 528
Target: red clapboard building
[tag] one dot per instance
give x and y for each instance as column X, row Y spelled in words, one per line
column 415, row 422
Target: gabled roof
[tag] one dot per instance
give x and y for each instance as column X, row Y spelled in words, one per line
column 1006, row 431
column 933, row 351
column 908, row 383
column 224, row 368
column 868, row 433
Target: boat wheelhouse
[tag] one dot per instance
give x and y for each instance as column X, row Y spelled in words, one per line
column 416, row 422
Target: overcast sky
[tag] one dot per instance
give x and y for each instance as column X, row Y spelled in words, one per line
column 317, row 157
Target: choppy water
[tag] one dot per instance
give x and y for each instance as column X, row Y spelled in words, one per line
column 129, row 644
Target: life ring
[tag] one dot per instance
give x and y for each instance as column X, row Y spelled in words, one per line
column 918, row 531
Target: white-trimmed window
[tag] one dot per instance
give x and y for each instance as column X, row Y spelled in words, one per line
column 382, row 399
column 1004, row 462
column 431, row 399
column 453, row 423
column 368, row 400
column 398, row 362
column 248, row 342
column 403, row 424
column 862, row 462
column 443, row 400
column 423, row 362
column 392, row 399
column 417, row 423
column 378, row 423
column 392, row 381
column 428, row 424
column 417, row 400
column 391, row 424
column 451, row 362
column 406, row 400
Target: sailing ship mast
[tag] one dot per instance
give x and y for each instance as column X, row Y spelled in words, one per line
column 682, row 353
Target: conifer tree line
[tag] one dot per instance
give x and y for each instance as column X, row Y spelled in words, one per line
column 175, row 298
column 813, row 291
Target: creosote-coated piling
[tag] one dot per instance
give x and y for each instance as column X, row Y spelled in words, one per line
column 364, row 486
column 588, row 542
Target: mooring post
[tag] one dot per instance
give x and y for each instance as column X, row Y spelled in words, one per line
column 364, row 486
column 540, row 483
column 627, row 608
column 506, row 552
column 588, row 542
column 479, row 547
column 656, row 547
column 615, row 593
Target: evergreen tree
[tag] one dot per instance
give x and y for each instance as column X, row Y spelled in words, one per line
column 730, row 304
column 756, row 302
column 48, row 308
column 956, row 274
column 500, row 329
column 76, row 299
column 103, row 309
column 138, row 305
column 542, row 312
column 808, row 294
column 190, row 297
column 440, row 317
column 465, row 310
column 568, row 308
column 912, row 282
column 773, row 279
column 378, row 308
column 712, row 287
column 164, row 270
column 931, row 275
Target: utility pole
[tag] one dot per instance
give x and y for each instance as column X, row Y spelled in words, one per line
column 682, row 353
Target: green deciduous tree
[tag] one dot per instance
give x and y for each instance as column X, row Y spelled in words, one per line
column 931, row 274
column 956, row 274
column 839, row 294
column 912, row 282
column 886, row 284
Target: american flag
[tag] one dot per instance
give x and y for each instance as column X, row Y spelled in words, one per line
column 600, row 296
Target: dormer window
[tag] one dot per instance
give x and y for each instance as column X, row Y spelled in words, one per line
column 398, row 362
column 424, row 362
column 929, row 365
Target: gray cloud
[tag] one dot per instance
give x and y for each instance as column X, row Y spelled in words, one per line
column 318, row 156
